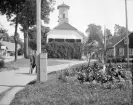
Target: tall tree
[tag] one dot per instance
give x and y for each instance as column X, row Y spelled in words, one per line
column 12, row 8
column 24, row 13
column 94, row 33
column 28, row 19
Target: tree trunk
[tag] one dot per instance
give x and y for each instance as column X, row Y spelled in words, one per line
column 26, row 43
column 16, row 50
column 89, row 59
column 15, row 34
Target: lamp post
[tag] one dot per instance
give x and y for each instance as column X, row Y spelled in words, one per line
column 127, row 33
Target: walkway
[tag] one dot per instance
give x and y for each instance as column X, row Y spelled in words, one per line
column 14, row 81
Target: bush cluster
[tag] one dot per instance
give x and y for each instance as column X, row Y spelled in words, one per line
column 63, row 50
column 2, row 64
column 116, row 60
column 90, row 73
column 20, row 51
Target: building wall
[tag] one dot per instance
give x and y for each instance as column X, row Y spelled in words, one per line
column 123, row 45
column 64, row 34
column 63, row 11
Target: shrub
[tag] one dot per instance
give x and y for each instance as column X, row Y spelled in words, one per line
column 93, row 72
column 63, row 50
column 20, row 51
column 63, row 75
column 2, row 64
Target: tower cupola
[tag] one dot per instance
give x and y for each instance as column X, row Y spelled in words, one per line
column 63, row 13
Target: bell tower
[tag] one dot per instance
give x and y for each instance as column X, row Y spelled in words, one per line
column 63, row 13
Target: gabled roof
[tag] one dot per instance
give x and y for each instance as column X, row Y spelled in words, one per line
column 116, row 40
column 63, row 5
column 10, row 46
column 65, row 26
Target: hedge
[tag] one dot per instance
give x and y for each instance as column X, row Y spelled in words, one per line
column 64, row 50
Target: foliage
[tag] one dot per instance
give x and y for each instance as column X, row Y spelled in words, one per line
column 2, row 64
column 108, row 34
column 116, row 60
column 23, row 13
column 120, row 30
column 95, row 72
column 94, row 33
column 32, row 36
column 4, row 35
column 20, row 51
column 27, row 21
column 63, row 50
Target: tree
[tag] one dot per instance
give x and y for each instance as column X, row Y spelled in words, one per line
column 108, row 34
column 4, row 35
column 32, row 36
column 12, row 8
column 94, row 33
column 28, row 19
column 120, row 30
column 23, row 12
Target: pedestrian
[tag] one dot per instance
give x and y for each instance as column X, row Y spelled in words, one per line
column 32, row 63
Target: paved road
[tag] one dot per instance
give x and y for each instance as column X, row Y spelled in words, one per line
column 14, row 81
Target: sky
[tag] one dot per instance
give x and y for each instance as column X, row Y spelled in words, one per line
column 84, row 12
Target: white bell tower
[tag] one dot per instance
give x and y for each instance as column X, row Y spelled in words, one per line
column 63, row 13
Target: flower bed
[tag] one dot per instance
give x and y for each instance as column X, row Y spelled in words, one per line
column 94, row 72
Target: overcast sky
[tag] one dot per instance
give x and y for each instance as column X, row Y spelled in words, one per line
column 84, row 12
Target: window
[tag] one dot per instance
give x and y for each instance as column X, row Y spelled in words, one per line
column 78, row 40
column 121, row 51
column 51, row 39
column 131, row 51
column 70, row 40
column 59, row 40
column 63, row 15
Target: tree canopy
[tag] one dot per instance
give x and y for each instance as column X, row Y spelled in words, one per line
column 94, row 33
column 120, row 30
column 32, row 36
column 23, row 12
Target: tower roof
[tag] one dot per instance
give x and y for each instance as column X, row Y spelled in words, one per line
column 63, row 5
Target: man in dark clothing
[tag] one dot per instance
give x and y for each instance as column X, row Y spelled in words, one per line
column 32, row 63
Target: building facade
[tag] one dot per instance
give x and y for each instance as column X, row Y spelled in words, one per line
column 118, row 47
column 64, row 32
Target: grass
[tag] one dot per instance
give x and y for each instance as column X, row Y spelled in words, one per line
column 56, row 92
column 26, row 62
column 9, row 67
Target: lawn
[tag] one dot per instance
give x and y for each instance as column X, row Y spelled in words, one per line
column 26, row 62
column 56, row 92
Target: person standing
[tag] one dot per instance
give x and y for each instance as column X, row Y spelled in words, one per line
column 32, row 63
